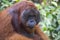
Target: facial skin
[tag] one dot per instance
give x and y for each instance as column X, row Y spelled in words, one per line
column 30, row 18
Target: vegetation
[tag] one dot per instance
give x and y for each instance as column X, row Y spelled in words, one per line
column 50, row 16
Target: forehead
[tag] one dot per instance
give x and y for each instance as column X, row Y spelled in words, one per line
column 31, row 11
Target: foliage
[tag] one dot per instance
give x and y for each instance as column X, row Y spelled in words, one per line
column 5, row 3
column 50, row 19
column 50, row 16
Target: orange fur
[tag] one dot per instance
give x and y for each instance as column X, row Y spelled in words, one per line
column 6, row 29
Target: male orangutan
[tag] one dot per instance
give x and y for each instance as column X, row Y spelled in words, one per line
column 20, row 22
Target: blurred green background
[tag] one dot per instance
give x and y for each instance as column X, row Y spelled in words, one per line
column 50, row 15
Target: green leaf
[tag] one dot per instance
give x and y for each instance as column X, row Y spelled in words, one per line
column 54, row 3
